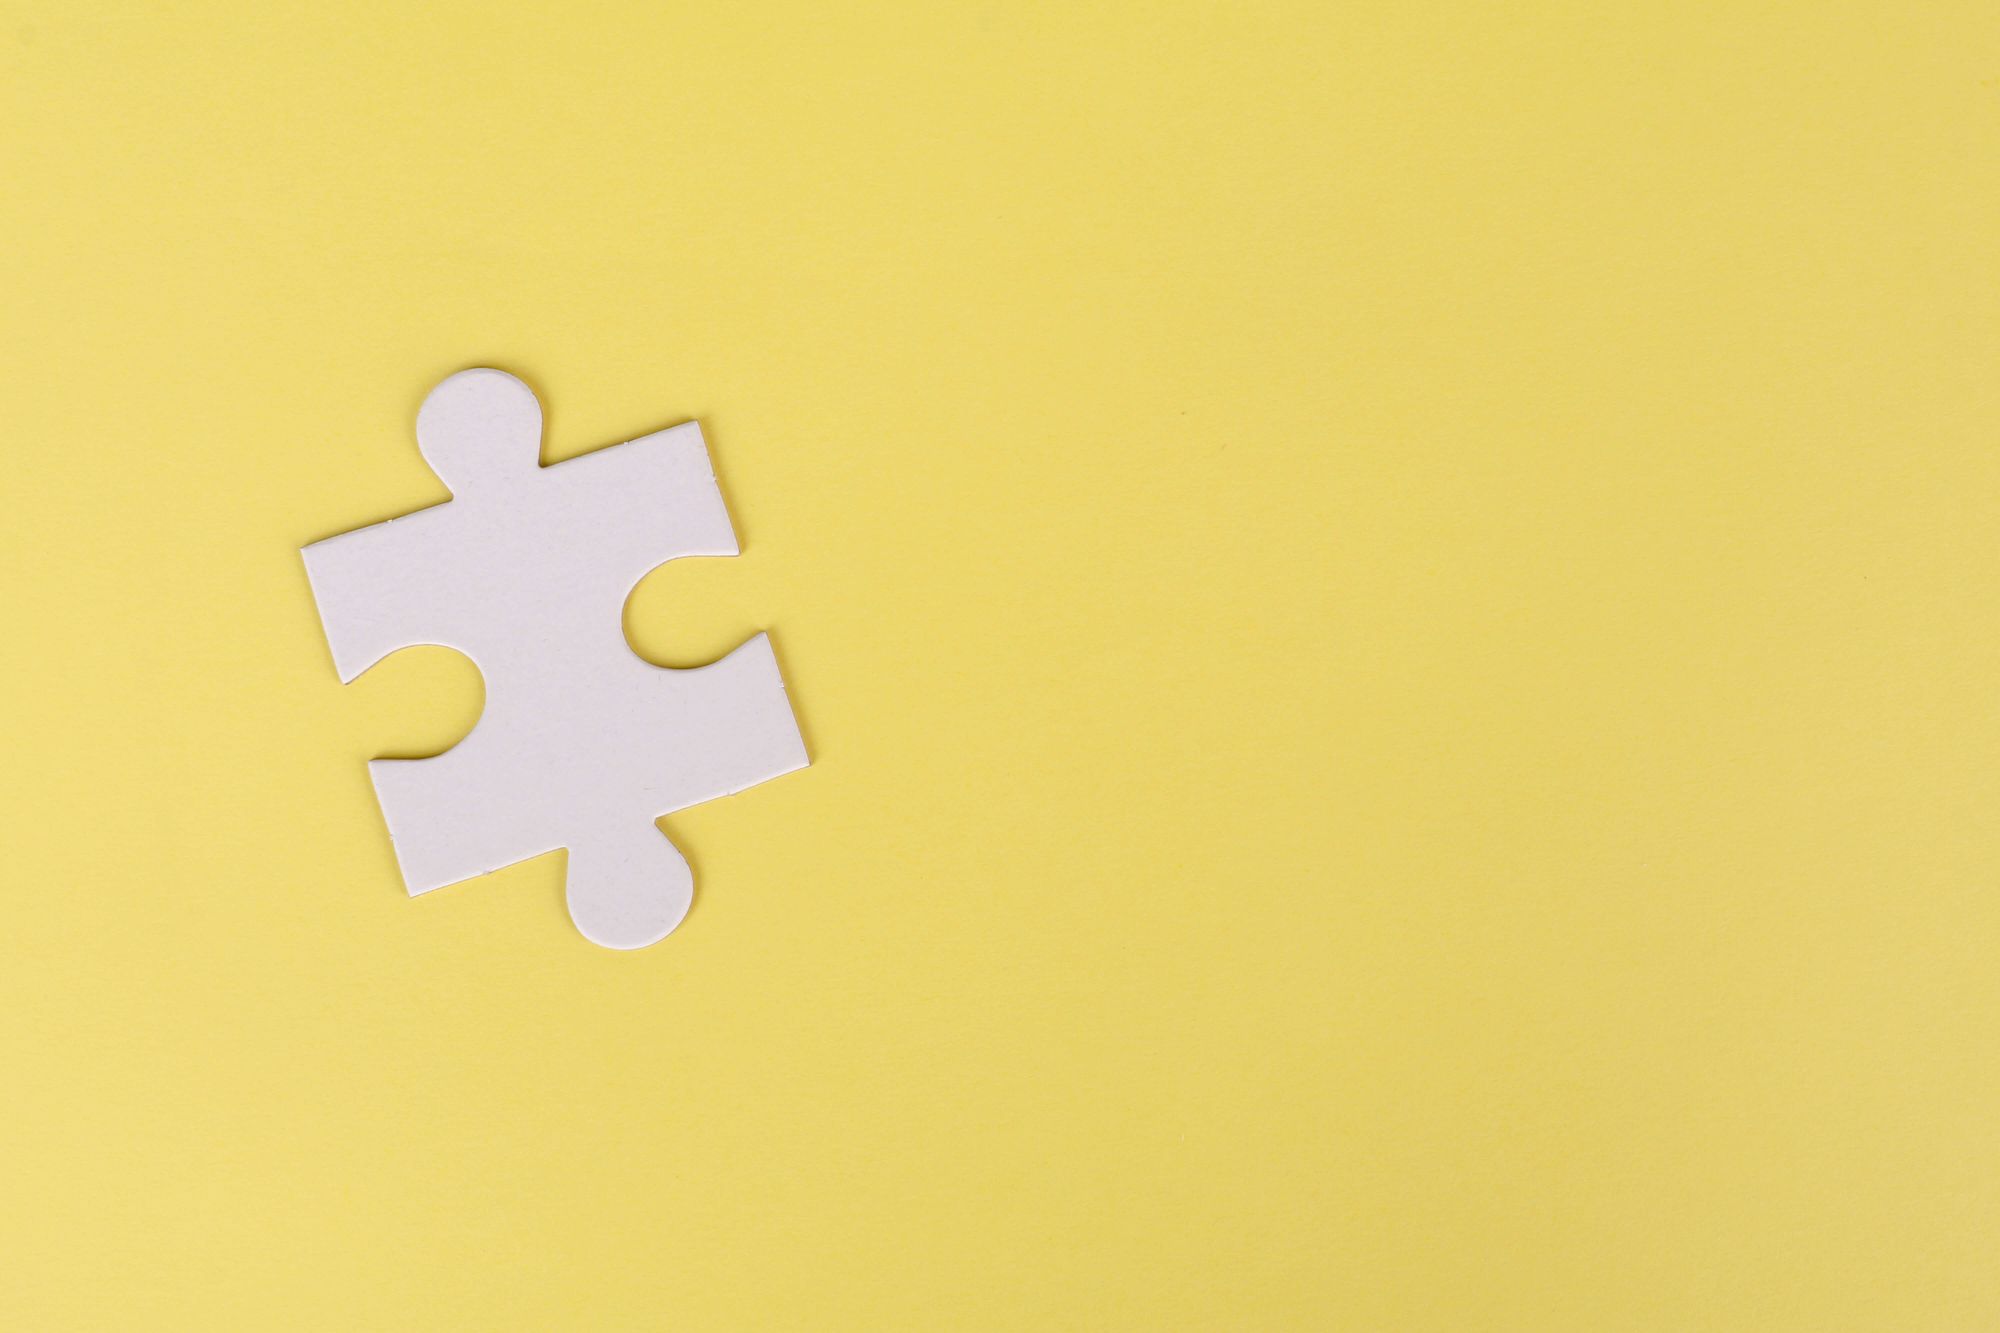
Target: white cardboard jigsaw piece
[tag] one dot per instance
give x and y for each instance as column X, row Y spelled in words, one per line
column 582, row 744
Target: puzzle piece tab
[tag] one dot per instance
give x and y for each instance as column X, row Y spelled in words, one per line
column 581, row 745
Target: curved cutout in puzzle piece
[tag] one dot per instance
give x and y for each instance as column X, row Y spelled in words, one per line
column 582, row 744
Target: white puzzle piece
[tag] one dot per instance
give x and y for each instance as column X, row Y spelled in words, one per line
column 582, row 744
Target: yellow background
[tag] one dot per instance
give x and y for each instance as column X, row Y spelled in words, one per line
column 1395, row 605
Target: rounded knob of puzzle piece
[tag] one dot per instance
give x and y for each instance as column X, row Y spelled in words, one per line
column 479, row 429
column 628, row 886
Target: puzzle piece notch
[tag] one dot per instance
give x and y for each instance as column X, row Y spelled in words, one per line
column 581, row 743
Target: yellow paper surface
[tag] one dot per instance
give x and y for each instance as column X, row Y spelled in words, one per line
column 1395, row 605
